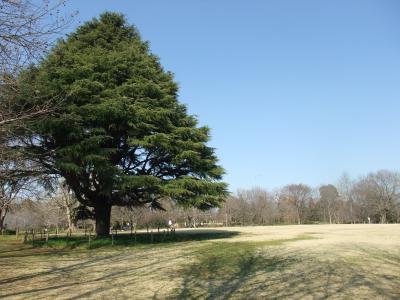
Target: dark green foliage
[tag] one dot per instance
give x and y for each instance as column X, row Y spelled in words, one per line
column 119, row 136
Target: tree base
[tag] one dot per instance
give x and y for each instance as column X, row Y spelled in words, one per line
column 102, row 214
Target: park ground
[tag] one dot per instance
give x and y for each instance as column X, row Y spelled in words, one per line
column 276, row 262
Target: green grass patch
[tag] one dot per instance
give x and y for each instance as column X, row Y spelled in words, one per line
column 280, row 242
column 221, row 267
column 7, row 238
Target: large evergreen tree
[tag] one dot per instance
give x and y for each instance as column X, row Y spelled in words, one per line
column 119, row 136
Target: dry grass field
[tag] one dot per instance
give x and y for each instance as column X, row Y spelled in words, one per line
column 277, row 262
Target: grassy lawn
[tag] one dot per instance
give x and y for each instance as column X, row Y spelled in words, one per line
column 278, row 262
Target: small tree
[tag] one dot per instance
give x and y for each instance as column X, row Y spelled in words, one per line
column 120, row 137
column 9, row 191
column 11, row 187
column 66, row 201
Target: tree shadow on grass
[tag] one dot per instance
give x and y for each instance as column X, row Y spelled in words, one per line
column 216, row 269
column 210, row 280
column 144, row 239
column 61, row 248
column 55, row 278
column 241, row 270
column 223, row 268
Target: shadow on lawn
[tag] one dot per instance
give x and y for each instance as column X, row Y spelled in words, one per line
column 57, row 249
column 223, row 269
column 139, row 239
column 214, row 270
column 244, row 270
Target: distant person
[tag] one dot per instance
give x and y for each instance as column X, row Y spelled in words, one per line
column 170, row 224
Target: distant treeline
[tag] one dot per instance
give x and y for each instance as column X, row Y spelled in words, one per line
column 374, row 198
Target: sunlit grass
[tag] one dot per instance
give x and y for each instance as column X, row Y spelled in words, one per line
column 297, row 262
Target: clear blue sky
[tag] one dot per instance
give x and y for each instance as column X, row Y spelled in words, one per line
column 294, row 91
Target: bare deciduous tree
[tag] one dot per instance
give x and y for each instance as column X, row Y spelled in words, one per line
column 258, row 206
column 10, row 190
column 346, row 191
column 297, row 195
column 27, row 29
column 329, row 197
column 379, row 194
column 66, row 202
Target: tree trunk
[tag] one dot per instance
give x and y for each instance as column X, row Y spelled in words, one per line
column 351, row 213
column 1, row 223
column 383, row 218
column 71, row 225
column 1, row 220
column 102, row 214
column 3, row 214
column 298, row 217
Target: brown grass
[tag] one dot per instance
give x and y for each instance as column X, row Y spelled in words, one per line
column 277, row 262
